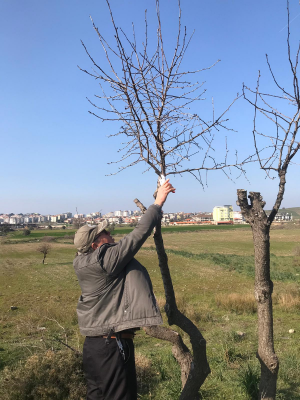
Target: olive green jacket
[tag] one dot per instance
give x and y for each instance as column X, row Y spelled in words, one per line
column 116, row 289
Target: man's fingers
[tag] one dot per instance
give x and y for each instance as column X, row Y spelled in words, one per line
column 166, row 183
column 171, row 189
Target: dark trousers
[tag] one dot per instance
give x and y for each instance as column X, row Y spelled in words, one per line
column 108, row 375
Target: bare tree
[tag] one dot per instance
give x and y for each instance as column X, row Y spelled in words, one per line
column 44, row 248
column 78, row 222
column 153, row 101
column 282, row 109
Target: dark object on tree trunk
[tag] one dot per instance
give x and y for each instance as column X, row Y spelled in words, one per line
column 194, row 368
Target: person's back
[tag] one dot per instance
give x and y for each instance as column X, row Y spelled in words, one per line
column 117, row 298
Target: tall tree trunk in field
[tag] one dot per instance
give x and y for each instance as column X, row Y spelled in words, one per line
column 197, row 370
column 258, row 220
column 194, row 367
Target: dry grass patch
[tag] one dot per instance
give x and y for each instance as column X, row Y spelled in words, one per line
column 144, row 373
column 289, row 301
column 239, row 303
column 161, row 301
column 49, row 376
column 143, row 367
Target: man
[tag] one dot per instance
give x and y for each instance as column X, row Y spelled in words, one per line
column 117, row 298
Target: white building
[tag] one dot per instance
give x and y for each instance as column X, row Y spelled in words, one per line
column 283, row 217
column 79, row 215
column 16, row 219
column 67, row 215
column 237, row 216
column 224, row 213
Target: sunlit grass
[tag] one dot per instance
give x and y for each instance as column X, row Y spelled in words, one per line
column 46, row 297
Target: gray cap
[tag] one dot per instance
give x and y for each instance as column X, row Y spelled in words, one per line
column 85, row 235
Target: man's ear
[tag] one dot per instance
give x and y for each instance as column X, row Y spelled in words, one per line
column 94, row 246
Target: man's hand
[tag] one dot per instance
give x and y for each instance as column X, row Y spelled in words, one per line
column 163, row 192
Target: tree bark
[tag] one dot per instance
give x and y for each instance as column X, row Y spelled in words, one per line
column 194, row 369
column 257, row 218
column 179, row 349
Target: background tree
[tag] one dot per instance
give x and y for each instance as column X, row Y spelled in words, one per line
column 4, row 229
column 282, row 109
column 44, row 248
column 153, row 101
column 111, row 227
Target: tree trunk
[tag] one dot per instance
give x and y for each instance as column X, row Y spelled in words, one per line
column 194, row 368
column 263, row 294
column 44, row 258
column 179, row 349
column 256, row 217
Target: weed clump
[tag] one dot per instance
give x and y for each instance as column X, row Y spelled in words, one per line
column 249, row 380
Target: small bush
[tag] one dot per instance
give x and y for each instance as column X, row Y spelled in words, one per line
column 44, row 248
column 239, row 303
column 26, row 232
column 48, row 376
column 111, row 227
column 4, row 229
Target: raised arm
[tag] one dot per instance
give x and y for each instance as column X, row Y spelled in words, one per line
column 114, row 258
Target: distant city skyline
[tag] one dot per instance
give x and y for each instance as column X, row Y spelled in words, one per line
column 115, row 212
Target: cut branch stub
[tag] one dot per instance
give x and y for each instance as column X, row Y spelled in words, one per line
column 253, row 212
column 140, row 205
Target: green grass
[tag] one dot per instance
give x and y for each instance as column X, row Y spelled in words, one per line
column 61, row 233
column 282, row 267
column 203, row 264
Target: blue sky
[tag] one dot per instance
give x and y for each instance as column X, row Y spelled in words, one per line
column 54, row 154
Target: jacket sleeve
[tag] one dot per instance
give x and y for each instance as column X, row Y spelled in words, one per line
column 114, row 258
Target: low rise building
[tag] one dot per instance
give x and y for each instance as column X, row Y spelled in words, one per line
column 223, row 213
column 282, row 216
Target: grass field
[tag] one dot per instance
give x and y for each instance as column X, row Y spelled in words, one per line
column 120, row 230
column 212, row 272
